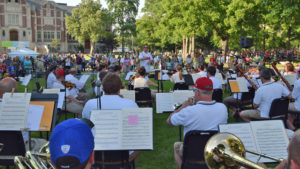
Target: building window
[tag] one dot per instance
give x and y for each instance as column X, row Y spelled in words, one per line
column 39, row 35
column 52, row 35
column 48, row 35
column 3, row 33
column 24, row 33
column 13, row 19
column 58, row 35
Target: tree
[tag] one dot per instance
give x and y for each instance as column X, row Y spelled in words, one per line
column 55, row 44
column 88, row 22
column 124, row 13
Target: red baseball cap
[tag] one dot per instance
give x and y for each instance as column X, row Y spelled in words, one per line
column 60, row 72
column 204, row 83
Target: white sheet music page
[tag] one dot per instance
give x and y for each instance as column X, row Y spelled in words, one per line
column 108, row 129
column 61, row 99
column 271, row 138
column 244, row 133
column 129, row 74
column 84, row 78
column 164, row 102
column 14, row 111
column 137, row 129
column 242, row 82
column 128, row 94
column 291, row 78
column 180, row 96
column 26, row 80
column 34, row 117
column 51, row 91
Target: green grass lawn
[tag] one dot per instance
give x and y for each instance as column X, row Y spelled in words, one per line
column 164, row 136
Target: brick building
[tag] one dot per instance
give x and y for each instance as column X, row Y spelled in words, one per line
column 36, row 21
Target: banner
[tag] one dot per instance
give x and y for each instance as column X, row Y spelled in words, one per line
column 17, row 44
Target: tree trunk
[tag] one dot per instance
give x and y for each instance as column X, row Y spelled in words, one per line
column 123, row 45
column 186, row 47
column 288, row 38
column 193, row 46
column 183, row 46
column 224, row 46
column 92, row 48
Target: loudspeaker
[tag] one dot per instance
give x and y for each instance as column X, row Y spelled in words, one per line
column 246, row 42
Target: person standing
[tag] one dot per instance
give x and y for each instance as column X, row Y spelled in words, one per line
column 145, row 58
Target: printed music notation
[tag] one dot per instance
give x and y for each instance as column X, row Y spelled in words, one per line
column 126, row 129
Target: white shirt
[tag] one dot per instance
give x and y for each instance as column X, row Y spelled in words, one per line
column 202, row 116
column 0, row 103
column 202, row 74
column 74, row 80
column 296, row 94
column 216, row 83
column 108, row 102
column 59, row 85
column 51, row 79
column 265, row 95
column 140, row 82
column 148, row 58
column 176, row 79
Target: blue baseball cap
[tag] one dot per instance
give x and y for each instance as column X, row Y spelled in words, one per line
column 71, row 144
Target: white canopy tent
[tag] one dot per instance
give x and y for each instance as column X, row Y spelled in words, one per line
column 23, row 52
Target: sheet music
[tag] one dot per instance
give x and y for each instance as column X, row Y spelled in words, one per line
column 180, row 96
column 242, row 82
column 137, row 129
column 51, row 91
column 129, row 74
column 61, row 99
column 291, row 78
column 127, row 129
column 84, row 78
column 14, row 110
column 271, row 138
column 128, row 94
column 195, row 76
column 220, row 78
column 244, row 133
column 107, row 129
column 34, row 117
column 26, row 80
column 234, row 86
column 164, row 102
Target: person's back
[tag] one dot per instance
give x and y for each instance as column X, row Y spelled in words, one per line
column 140, row 82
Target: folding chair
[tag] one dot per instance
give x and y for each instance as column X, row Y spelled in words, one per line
column 193, row 149
column 279, row 109
column 13, row 145
column 143, row 97
column 112, row 160
column 218, row 95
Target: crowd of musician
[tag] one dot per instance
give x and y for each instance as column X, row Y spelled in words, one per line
column 205, row 111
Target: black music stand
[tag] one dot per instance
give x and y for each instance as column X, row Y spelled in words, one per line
column 188, row 79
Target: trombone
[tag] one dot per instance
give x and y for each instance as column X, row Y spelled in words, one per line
column 225, row 150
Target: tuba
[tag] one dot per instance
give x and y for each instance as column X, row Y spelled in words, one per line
column 35, row 160
column 225, row 150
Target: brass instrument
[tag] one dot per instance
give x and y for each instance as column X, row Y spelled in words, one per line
column 35, row 160
column 225, row 150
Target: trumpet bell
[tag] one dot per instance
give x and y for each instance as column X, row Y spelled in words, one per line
column 225, row 150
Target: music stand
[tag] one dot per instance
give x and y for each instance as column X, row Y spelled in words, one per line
column 188, row 79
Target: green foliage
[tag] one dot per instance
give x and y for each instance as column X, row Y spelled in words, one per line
column 88, row 22
column 54, row 44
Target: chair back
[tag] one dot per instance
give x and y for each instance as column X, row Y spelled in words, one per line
column 248, row 95
column 13, row 145
column 193, row 149
column 279, row 108
column 181, row 86
column 143, row 97
column 112, row 160
column 218, row 95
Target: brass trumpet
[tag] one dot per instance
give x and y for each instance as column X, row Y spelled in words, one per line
column 35, row 160
column 225, row 150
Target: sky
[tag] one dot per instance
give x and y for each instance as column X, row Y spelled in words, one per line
column 103, row 3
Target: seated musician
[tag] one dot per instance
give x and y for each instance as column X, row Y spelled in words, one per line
column 288, row 69
column 198, row 113
column 211, row 72
column 74, row 104
column 177, row 78
column 111, row 99
column 78, row 85
column 72, row 145
column 201, row 70
column 51, row 78
column 140, row 81
column 295, row 106
column 264, row 97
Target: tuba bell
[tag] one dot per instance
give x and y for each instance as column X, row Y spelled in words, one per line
column 225, row 150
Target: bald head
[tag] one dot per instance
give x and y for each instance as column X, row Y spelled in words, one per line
column 6, row 85
column 294, row 151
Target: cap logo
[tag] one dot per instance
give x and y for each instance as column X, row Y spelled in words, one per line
column 65, row 148
column 208, row 86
